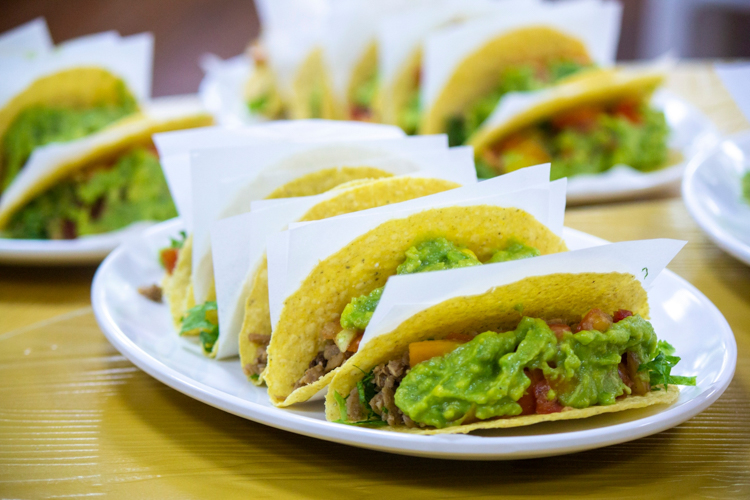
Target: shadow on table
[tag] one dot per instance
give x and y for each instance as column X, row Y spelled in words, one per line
column 46, row 284
column 218, row 450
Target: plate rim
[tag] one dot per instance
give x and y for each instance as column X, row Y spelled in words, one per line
column 720, row 236
column 483, row 447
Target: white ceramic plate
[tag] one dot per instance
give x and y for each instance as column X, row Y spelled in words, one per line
column 691, row 134
column 712, row 191
column 142, row 331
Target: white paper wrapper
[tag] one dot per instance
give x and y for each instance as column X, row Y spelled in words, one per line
column 293, row 254
column 238, row 243
column 596, row 23
column 405, row 296
column 29, row 39
column 223, row 87
column 291, row 30
column 130, row 58
column 254, row 172
column 400, row 35
column 736, row 78
column 45, row 160
column 174, row 147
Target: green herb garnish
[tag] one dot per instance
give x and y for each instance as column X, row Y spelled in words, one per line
column 202, row 318
column 660, row 368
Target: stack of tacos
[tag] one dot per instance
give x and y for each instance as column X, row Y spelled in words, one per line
column 76, row 156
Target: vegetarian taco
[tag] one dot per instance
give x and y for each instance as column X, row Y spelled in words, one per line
column 582, row 127
column 58, row 96
column 322, row 295
column 567, row 337
column 97, row 184
column 467, row 69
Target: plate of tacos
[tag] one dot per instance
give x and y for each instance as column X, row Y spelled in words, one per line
column 419, row 313
column 716, row 190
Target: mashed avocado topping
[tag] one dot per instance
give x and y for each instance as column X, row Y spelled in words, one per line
column 520, row 78
column 437, row 254
column 39, row 125
column 485, row 377
column 587, row 140
column 98, row 200
column 746, row 187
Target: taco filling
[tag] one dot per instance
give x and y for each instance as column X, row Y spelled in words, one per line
column 341, row 338
column 361, row 108
column 746, row 187
column 38, row 125
column 101, row 198
column 586, row 140
column 538, row 368
column 518, row 78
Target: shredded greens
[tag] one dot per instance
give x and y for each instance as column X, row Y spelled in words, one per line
column 660, row 367
column 202, row 318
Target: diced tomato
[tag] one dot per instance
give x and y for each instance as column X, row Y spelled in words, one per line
column 595, row 319
column 428, row 349
column 621, row 315
column 622, row 371
column 458, row 337
column 358, row 113
column 558, row 328
column 168, row 257
column 543, row 403
column 528, row 149
column 354, row 345
column 582, row 118
column 528, row 402
column 629, row 110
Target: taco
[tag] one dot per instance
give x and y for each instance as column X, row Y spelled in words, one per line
column 582, row 127
column 261, row 89
column 98, row 184
column 319, row 324
column 510, row 53
column 82, row 87
column 255, row 332
column 550, row 346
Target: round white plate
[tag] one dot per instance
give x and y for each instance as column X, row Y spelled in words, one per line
column 142, row 331
column 691, row 134
column 712, row 191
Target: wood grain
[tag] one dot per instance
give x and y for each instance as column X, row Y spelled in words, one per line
column 78, row 419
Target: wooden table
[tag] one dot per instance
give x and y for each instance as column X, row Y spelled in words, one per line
column 78, row 419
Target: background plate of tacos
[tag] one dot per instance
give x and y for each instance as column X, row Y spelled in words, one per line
column 141, row 330
column 74, row 202
column 716, row 190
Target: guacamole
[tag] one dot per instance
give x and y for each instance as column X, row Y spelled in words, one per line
column 487, row 376
column 520, row 78
column 587, row 140
column 437, row 254
column 98, row 200
column 746, row 187
column 39, row 125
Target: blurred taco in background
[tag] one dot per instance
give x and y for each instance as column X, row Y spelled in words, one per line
column 261, row 89
column 467, row 69
column 557, row 344
column 97, row 184
column 82, row 87
column 583, row 127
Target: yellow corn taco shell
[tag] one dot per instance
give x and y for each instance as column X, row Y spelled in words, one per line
column 311, row 93
column 80, row 87
column 566, row 296
column 477, row 75
column 352, row 197
column 593, row 87
column 101, row 147
column 365, row 264
column 177, row 285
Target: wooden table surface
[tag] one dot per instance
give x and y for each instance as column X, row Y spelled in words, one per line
column 77, row 419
